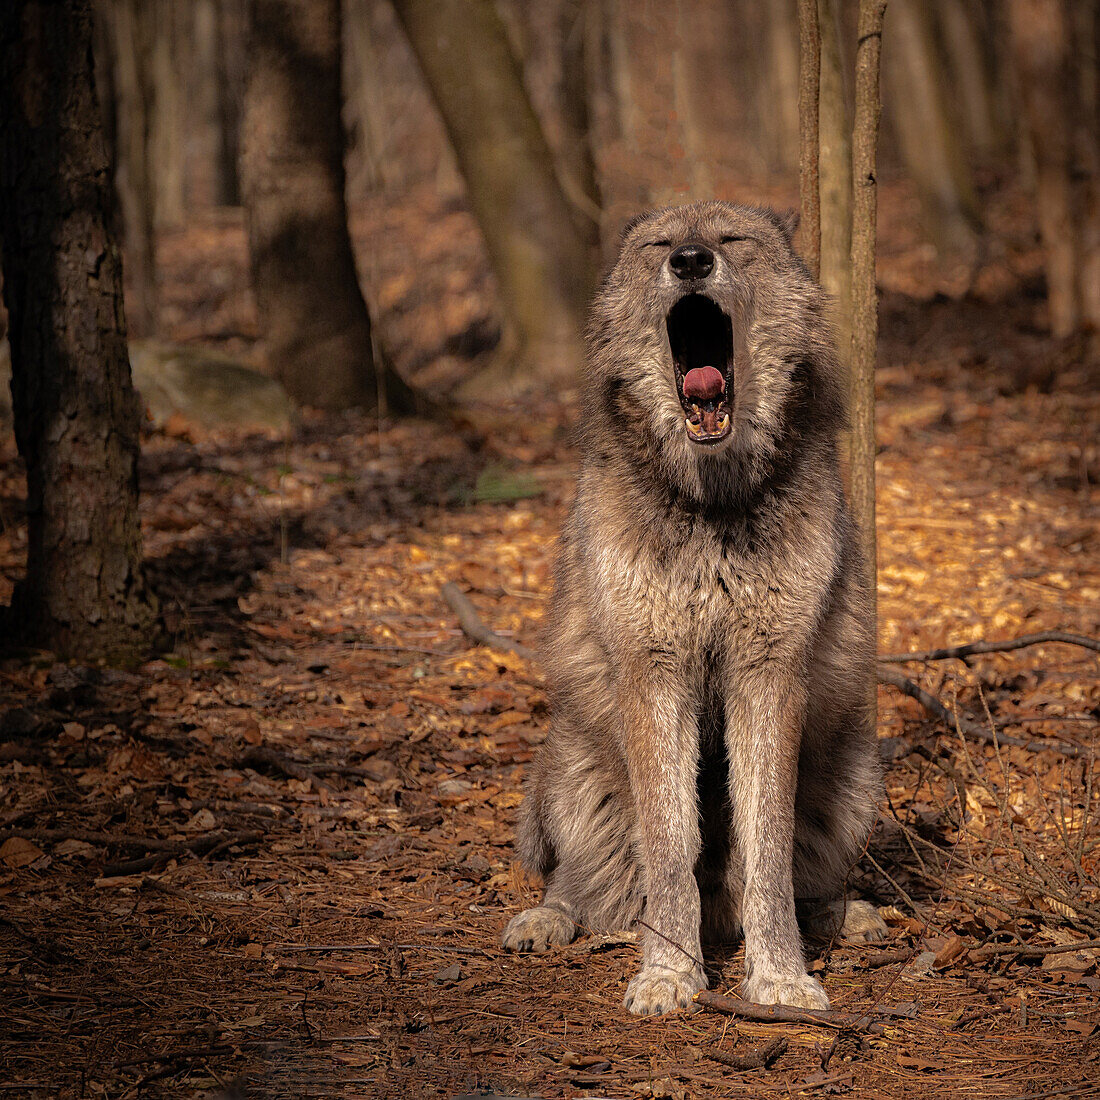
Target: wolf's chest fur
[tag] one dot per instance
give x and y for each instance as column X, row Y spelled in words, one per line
column 696, row 585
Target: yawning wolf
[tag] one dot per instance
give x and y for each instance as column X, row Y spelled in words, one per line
column 711, row 758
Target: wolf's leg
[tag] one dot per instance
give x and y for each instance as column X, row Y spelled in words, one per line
column 661, row 744
column 764, row 710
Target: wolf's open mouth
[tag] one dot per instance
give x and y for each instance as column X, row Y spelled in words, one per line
column 700, row 334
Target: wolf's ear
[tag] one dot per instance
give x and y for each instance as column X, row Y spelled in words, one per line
column 630, row 224
column 788, row 222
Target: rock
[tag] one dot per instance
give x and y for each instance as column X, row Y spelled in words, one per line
column 206, row 388
column 200, row 386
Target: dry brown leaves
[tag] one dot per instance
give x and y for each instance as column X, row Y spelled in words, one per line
column 281, row 855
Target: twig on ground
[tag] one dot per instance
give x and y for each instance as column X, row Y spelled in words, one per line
column 967, row 726
column 89, row 836
column 202, row 845
column 785, row 1014
column 1034, row 950
column 980, row 646
column 268, row 757
column 475, row 629
column 888, row 958
column 757, row 1058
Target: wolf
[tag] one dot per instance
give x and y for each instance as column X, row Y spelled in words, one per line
column 710, row 769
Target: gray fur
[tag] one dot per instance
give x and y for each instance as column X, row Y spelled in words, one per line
column 711, row 756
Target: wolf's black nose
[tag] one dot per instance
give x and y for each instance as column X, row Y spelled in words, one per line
column 692, row 261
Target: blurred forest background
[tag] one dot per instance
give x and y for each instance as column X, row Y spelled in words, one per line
column 272, row 853
column 534, row 130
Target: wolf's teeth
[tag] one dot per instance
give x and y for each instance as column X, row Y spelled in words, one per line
column 695, row 429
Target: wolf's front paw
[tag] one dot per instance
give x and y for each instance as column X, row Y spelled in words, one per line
column 796, row 990
column 537, row 930
column 657, row 989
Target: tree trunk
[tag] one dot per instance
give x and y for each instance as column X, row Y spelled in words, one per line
column 130, row 38
column 171, row 61
column 211, row 148
column 76, row 413
column 370, row 165
column 1041, row 45
column 313, row 317
column 809, row 122
column 861, row 468
column 578, row 170
column 782, row 72
column 541, row 251
column 929, row 145
column 971, row 76
column 836, row 176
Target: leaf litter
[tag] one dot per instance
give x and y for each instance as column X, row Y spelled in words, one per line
column 277, row 858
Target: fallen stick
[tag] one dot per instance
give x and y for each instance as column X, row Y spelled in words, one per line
column 888, row 958
column 785, row 1014
column 265, row 756
column 1034, row 950
column 475, row 629
column 202, row 845
column 966, row 726
column 756, row 1058
column 981, row 646
column 90, row 836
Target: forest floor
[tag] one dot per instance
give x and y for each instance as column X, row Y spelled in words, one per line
column 276, row 860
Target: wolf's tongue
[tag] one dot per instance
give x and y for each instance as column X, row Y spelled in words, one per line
column 704, row 384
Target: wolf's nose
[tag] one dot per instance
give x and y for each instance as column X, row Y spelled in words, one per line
column 692, row 261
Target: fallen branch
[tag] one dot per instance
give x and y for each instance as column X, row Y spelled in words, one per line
column 888, row 958
column 971, row 648
column 1034, row 950
column 475, row 629
column 203, row 845
column 966, row 726
column 90, row 836
column 756, row 1058
column 268, row 757
column 785, row 1014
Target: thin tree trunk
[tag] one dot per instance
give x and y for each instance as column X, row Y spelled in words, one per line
column 210, row 147
column 76, row 413
column 541, row 252
column 968, row 61
column 864, row 294
column 131, row 38
column 685, row 61
column 1040, row 42
column 1087, row 135
column 365, row 94
column 929, row 144
column 171, row 60
column 314, row 320
column 835, row 131
column 809, row 156
column 782, row 71
column 578, row 169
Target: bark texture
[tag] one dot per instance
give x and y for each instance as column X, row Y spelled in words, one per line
column 835, row 127
column 864, row 295
column 541, row 250
column 809, row 157
column 313, row 316
column 76, row 413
